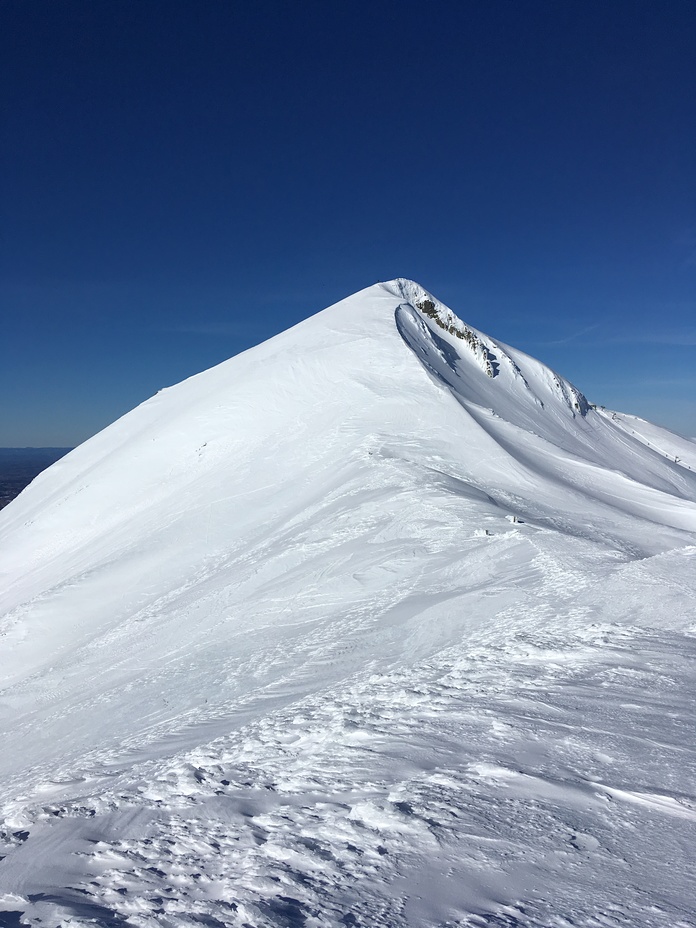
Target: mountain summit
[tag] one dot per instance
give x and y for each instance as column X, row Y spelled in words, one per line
column 351, row 629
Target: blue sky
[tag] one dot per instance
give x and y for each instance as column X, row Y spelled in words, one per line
column 182, row 180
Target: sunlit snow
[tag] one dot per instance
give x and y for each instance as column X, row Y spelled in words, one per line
column 379, row 624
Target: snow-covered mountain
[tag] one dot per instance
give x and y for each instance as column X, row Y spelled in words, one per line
column 379, row 623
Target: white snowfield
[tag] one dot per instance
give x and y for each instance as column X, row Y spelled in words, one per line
column 377, row 624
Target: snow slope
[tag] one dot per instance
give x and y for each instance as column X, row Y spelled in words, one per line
column 379, row 623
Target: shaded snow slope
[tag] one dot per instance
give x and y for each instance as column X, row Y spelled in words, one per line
column 352, row 629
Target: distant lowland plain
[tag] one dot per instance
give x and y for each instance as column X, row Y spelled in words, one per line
column 19, row 466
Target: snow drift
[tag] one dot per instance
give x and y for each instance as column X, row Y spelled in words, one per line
column 374, row 602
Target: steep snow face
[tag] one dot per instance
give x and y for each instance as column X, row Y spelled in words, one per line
column 373, row 604
column 543, row 421
column 493, row 358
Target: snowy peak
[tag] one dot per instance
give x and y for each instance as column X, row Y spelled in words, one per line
column 355, row 612
column 447, row 346
column 391, row 369
column 419, row 298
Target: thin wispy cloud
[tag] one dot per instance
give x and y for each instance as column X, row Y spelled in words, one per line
column 612, row 334
column 641, row 382
column 574, row 336
column 670, row 381
column 656, row 336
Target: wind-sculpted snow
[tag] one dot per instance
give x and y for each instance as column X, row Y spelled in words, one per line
column 377, row 624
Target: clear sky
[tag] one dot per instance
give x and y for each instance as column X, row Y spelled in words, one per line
column 185, row 178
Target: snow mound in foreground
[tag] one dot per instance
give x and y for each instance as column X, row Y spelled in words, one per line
column 379, row 623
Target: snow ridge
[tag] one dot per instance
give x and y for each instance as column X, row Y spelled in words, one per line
column 447, row 320
column 488, row 354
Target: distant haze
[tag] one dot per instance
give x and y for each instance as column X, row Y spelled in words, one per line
column 19, row 466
